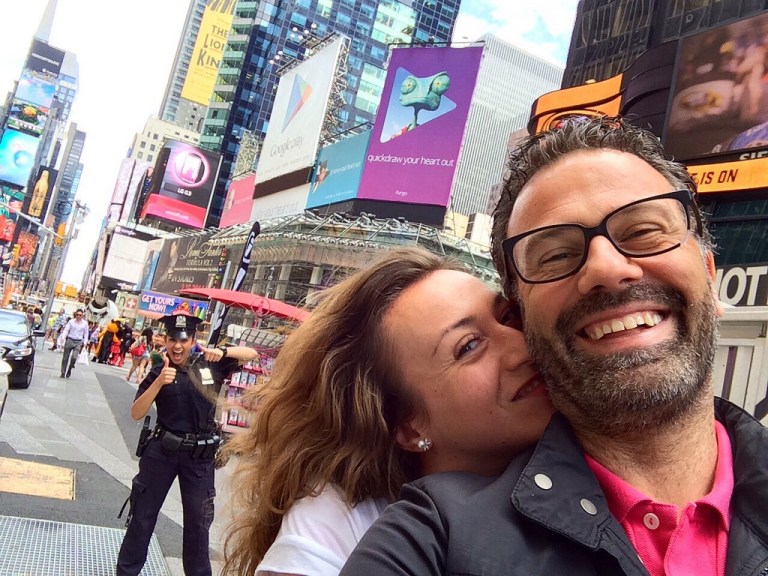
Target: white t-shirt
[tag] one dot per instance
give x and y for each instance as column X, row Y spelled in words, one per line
column 317, row 534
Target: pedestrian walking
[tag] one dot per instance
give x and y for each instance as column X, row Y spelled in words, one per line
column 75, row 336
column 183, row 444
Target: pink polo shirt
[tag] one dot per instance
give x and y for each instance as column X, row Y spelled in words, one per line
column 697, row 544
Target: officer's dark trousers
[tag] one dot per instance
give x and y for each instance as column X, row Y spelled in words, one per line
column 157, row 470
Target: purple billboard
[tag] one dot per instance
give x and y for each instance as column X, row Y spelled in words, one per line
column 420, row 125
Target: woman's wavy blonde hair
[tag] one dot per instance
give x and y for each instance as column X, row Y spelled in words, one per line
column 330, row 411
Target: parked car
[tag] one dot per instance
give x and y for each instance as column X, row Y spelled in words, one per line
column 17, row 347
column 5, row 370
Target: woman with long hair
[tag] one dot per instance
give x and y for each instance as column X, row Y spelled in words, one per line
column 409, row 367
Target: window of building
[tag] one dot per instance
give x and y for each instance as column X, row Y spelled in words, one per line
column 152, row 147
column 395, row 22
column 370, row 89
column 142, row 144
column 324, row 8
column 150, row 158
column 140, row 155
column 154, row 136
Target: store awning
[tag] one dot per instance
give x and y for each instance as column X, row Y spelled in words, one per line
column 260, row 305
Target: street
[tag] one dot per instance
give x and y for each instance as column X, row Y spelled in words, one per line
column 66, row 464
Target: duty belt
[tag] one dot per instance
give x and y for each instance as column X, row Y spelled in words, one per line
column 201, row 445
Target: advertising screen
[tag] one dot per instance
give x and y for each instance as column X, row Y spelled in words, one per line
column 719, row 99
column 418, row 131
column 191, row 262
column 182, row 184
column 156, row 304
column 239, row 202
column 44, row 58
column 338, row 171
column 27, row 117
column 206, row 55
column 17, row 157
column 41, row 191
column 35, row 88
column 291, row 141
column 127, row 253
column 27, row 248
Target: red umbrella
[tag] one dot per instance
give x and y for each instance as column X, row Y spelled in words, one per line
column 260, row 305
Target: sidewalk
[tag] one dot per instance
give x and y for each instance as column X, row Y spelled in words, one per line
column 70, row 419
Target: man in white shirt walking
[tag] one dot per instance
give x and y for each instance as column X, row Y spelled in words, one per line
column 75, row 336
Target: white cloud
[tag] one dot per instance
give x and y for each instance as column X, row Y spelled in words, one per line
column 542, row 27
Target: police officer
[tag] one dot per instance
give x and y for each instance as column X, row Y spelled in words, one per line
column 183, row 443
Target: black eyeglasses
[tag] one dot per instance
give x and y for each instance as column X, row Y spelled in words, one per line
column 640, row 229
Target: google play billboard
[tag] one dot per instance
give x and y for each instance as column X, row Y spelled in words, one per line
column 292, row 139
column 417, row 135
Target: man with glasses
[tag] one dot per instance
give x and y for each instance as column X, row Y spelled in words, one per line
column 598, row 237
column 75, row 337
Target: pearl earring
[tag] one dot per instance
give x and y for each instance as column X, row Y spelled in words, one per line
column 424, row 444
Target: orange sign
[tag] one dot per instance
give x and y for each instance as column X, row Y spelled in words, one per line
column 594, row 99
column 730, row 176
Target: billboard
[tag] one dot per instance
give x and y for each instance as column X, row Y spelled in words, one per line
column 182, row 184
column 126, row 256
column 127, row 304
column 206, row 55
column 239, row 202
column 37, row 83
column 283, row 203
column 719, row 102
column 27, row 244
column 191, row 262
column 338, row 171
column 27, row 117
column 41, row 192
column 130, row 179
column 291, row 141
column 418, row 131
column 17, row 157
column 44, row 59
column 550, row 110
column 156, row 304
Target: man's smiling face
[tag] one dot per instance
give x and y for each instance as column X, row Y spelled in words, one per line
column 626, row 343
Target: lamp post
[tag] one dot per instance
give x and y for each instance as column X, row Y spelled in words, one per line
column 79, row 210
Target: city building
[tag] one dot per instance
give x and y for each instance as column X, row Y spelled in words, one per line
column 267, row 35
column 148, row 143
column 198, row 57
column 609, row 35
column 509, row 79
column 62, row 206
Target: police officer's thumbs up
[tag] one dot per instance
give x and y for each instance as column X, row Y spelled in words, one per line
column 167, row 374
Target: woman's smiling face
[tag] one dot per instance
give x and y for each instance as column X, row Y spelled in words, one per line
column 470, row 372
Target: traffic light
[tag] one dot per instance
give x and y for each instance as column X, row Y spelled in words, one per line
column 61, row 231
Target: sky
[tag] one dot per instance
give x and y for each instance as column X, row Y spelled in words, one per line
column 125, row 62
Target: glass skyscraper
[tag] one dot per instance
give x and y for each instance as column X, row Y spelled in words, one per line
column 267, row 34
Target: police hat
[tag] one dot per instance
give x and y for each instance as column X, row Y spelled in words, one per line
column 180, row 324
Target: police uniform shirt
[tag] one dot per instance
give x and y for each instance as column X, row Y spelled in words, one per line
column 181, row 407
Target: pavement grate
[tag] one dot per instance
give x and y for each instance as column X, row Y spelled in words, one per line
column 45, row 548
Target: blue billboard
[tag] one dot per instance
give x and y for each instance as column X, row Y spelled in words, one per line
column 338, row 171
column 157, row 304
column 17, row 157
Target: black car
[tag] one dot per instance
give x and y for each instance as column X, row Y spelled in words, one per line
column 17, row 347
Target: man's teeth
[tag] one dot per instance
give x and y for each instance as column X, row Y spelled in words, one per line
column 629, row 322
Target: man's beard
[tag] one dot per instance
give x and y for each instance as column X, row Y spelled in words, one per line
column 623, row 393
